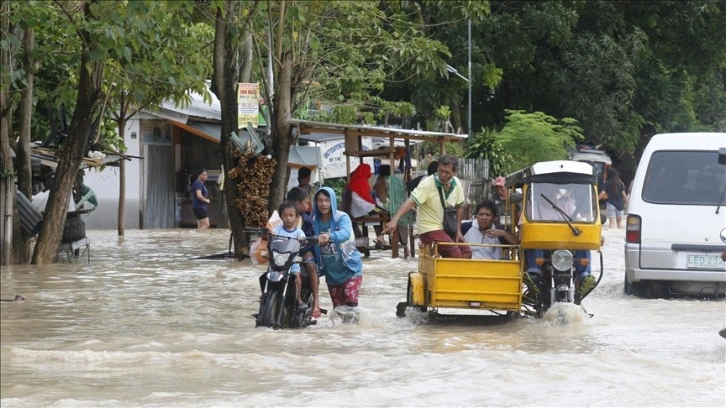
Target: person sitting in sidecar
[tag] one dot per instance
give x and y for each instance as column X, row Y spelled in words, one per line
column 484, row 231
column 560, row 203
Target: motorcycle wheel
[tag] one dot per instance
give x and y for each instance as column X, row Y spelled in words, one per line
column 302, row 318
column 268, row 309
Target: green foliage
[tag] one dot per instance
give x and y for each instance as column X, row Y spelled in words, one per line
column 344, row 51
column 534, row 137
column 624, row 70
column 453, row 148
column 485, row 145
column 56, row 53
column 443, row 113
column 151, row 52
column 491, row 75
column 148, row 62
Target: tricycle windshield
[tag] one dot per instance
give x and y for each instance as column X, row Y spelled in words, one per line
column 552, row 202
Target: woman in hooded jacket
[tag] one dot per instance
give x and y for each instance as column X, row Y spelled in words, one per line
column 340, row 261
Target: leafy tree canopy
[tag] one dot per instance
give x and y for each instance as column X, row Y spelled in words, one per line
column 534, row 137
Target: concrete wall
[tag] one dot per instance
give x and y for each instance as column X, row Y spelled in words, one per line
column 106, row 215
column 106, row 185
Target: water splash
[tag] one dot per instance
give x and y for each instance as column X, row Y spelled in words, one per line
column 565, row 313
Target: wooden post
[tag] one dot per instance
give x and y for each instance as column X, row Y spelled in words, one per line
column 392, row 154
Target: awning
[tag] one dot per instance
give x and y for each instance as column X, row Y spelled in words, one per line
column 300, row 156
column 47, row 157
column 310, row 130
column 305, row 156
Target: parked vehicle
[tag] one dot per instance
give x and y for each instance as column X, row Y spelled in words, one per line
column 503, row 285
column 598, row 159
column 675, row 214
column 278, row 301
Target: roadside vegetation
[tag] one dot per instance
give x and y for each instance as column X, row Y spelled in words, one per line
column 544, row 75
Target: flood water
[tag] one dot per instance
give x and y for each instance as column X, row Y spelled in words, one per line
column 145, row 325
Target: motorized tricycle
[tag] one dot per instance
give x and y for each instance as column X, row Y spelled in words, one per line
column 278, row 301
column 558, row 225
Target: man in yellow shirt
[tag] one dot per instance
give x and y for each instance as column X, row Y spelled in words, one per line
column 429, row 211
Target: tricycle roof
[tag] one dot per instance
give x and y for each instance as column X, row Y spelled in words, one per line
column 556, row 171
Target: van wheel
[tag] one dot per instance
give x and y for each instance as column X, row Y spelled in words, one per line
column 628, row 288
column 640, row 289
column 658, row 290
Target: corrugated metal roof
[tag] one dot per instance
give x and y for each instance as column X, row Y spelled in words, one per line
column 198, row 108
column 309, row 130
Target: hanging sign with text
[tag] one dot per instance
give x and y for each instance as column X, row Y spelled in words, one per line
column 248, row 104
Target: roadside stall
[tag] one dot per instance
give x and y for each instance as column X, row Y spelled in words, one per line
column 357, row 142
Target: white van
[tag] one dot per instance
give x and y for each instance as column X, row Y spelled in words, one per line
column 676, row 212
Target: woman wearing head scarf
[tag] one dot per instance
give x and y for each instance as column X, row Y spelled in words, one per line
column 361, row 199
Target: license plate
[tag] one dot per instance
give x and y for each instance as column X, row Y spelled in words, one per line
column 705, row 261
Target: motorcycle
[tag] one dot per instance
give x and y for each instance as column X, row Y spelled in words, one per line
column 559, row 225
column 556, row 284
column 278, row 302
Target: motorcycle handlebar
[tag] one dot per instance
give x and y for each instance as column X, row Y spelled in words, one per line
column 311, row 240
column 255, row 230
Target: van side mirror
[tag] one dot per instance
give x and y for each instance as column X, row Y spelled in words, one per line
column 722, row 155
column 723, row 235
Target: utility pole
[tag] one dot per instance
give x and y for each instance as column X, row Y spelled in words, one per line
column 453, row 70
column 469, row 81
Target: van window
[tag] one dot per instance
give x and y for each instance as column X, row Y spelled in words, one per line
column 684, row 177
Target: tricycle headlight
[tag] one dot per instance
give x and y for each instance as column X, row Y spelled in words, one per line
column 562, row 260
column 279, row 259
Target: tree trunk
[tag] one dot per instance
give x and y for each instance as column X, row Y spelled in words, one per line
column 21, row 246
column 71, row 154
column 282, row 137
column 7, row 187
column 26, row 113
column 121, row 216
column 7, row 183
column 225, row 87
column 245, row 71
column 121, row 219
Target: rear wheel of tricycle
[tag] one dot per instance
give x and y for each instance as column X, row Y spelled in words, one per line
column 401, row 309
column 409, row 297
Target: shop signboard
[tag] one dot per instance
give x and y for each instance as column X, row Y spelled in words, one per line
column 334, row 159
column 248, row 100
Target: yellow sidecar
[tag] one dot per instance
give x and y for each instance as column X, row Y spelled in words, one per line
column 559, row 224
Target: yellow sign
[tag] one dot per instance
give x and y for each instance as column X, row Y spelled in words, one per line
column 248, row 104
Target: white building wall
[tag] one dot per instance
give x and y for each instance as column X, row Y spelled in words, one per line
column 106, row 185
